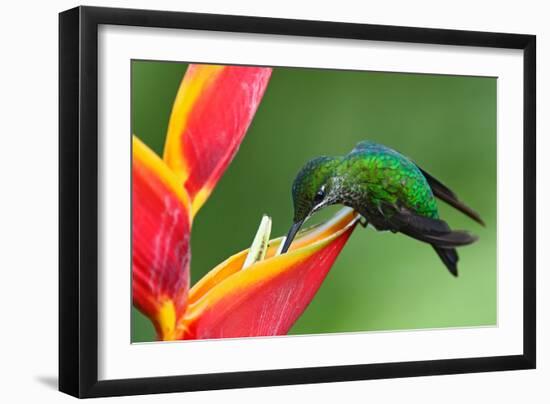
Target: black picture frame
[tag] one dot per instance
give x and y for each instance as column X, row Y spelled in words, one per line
column 78, row 201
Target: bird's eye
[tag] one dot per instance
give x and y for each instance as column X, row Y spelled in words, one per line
column 320, row 194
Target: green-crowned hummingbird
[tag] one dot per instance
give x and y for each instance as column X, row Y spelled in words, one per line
column 389, row 190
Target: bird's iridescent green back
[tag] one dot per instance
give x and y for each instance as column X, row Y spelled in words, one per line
column 388, row 176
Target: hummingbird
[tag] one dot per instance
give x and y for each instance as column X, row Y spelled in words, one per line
column 388, row 190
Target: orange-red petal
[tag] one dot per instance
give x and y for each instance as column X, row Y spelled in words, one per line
column 160, row 241
column 268, row 297
column 213, row 109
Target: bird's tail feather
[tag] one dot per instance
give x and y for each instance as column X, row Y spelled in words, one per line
column 449, row 257
column 433, row 231
column 443, row 241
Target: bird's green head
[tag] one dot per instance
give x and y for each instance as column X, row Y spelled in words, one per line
column 311, row 191
column 311, row 187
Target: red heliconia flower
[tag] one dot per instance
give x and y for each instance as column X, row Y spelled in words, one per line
column 211, row 114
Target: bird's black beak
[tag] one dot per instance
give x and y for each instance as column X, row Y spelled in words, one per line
column 291, row 234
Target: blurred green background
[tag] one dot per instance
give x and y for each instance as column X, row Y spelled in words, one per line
column 381, row 281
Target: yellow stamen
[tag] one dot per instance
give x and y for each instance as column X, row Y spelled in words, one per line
column 258, row 249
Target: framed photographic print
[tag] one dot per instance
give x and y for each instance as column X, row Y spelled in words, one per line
column 251, row 201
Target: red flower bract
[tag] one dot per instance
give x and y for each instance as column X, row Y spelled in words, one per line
column 161, row 227
column 212, row 112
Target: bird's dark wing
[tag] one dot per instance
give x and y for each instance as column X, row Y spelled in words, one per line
column 441, row 191
column 433, row 231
